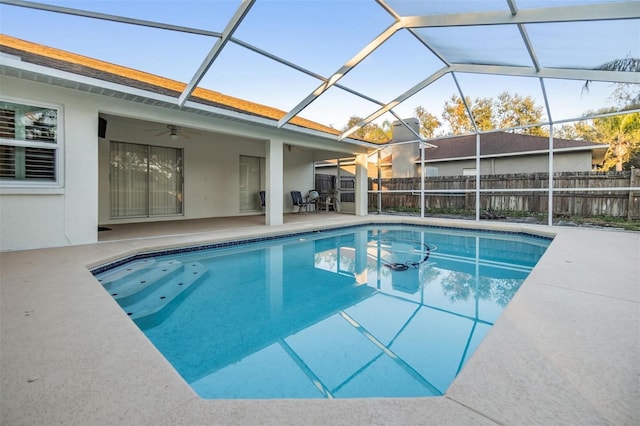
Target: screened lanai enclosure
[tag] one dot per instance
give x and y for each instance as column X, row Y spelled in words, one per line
column 481, row 106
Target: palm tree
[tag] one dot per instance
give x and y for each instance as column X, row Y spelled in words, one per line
column 622, row 133
column 627, row 64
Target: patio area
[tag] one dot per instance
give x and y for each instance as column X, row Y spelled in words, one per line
column 565, row 351
column 217, row 224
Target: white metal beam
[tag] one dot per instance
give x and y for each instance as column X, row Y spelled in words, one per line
column 561, row 73
column 464, row 102
column 383, row 4
column 525, row 36
column 558, row 73
column 217, row 48
column 590, row 12
column 299, row 68
column 415, row 89
column 426, row 44
column 420, row 38
column 276, row 58
column 546, row 100
column 108, row 17
column 359, row 57
column 529, row 46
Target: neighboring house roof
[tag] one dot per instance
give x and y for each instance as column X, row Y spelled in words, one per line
column 504, row 144
column 88, row 67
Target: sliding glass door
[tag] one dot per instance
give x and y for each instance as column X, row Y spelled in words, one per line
column 252, row 174
column 165, row 181
column 145, row 180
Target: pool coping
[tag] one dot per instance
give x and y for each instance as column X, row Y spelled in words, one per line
column 564, row 351
column 170, row 250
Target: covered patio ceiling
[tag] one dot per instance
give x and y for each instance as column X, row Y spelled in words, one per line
column 378, row 60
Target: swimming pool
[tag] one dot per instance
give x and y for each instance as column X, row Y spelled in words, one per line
column 366, row 311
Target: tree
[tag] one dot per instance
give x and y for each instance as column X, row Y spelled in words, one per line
column 634, row 160
column 627, row 64
column 429, row 123
column 626, row 96
column 455, row 115
column 576, row 131
column 622, row 132
column 369, row 132
column 380, row 133
column 506, row 111
column 483, row 112
column 514, row 110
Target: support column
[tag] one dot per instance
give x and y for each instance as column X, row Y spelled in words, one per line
column 361, row 185
column 422, row 178
column 478, row 164
column 275, row 185
column 550, row 199
column 379, row 183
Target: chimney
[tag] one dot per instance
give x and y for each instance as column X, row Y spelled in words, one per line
column 401, row 133
column 403, row 163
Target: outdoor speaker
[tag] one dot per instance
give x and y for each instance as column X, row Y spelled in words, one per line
column 102, row 127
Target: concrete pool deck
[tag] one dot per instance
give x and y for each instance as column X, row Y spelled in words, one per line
column 565, row 351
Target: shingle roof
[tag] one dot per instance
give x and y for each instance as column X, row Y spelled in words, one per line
column 82, row 65
column 501, row 143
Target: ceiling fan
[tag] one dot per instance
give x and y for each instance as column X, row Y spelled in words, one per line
column 174, row 132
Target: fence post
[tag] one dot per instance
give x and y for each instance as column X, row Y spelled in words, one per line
column 467, row 196
column 631, row 204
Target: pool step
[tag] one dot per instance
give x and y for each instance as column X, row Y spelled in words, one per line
column 124, row 282
column 164, row 296
column 142, row 287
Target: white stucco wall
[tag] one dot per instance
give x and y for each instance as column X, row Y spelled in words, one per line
column 211, row 167
column 298, row 175
column 70, row 214
column 66, row 215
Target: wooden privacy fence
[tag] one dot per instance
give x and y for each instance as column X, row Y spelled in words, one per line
column 574, row 193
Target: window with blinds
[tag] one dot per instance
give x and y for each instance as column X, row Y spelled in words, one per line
column 28, row 143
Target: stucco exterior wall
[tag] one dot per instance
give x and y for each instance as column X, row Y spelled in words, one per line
column 298, row 175
column 211, row 162
column 70, row 214
column 211, row 167
column 46, row 217
column 404, row 158
column 562, row 162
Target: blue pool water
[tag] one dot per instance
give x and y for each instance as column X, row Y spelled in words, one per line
column 375, row 311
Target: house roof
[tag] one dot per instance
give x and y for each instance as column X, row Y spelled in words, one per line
column 89, row 67
column 506, row 144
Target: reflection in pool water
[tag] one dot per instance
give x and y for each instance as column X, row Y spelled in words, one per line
column 326, row 315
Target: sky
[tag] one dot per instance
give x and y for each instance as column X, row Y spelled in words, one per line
column 321, row 36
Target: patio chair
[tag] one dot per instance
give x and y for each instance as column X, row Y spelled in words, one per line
column 314, row 200
column 298, row 200
column 333, row 200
